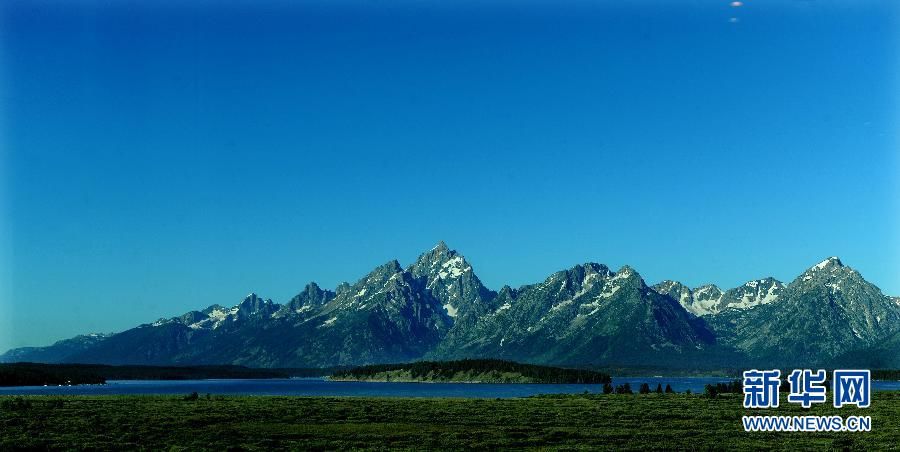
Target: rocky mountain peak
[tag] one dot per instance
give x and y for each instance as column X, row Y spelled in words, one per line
column 752, row 293
column 587, row 314
column 829, row 265
column 702, row 300
column 831, row 306
column 441, row 247
column 831, row 262
column 342, row 288
column 312, row 287
column 441, row 266
column 252, row 301
column 383, row 272
column 668, row 284
column 589, row 269
column 580, row 276
column 438, row 253
column 313, row 294
column 309, row 299
column 437, row 259
column 828, row 270
column 253, row 304
column 708, row 289
column 709, row 299
column 678, row 291
column 627, row 273
column 507, row 291
column 449, row 278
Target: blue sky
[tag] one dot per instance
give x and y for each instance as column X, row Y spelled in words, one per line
column 161, row 159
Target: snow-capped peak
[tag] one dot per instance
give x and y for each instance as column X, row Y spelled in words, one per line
column 624, row 273
column 831, row 261
column 441, row 246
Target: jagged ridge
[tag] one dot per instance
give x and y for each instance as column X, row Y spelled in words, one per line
column 587, row 315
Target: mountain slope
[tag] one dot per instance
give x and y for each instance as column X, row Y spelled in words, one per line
column 449, row 278
column 53, row 353
column 186, row 339
column 584, row 315
column 386, row 316
column 824, row 313
column 710, row 300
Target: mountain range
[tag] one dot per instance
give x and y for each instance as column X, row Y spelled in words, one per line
column 588, row 315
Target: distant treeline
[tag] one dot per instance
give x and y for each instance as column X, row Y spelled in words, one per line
column 886, row 374
column 733, row 387
column 447, row 370
column 28, row 374
column 34, row 374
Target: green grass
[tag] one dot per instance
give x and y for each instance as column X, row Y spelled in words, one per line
column 638, row 422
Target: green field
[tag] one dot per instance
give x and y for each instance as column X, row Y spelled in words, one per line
column 643, row 422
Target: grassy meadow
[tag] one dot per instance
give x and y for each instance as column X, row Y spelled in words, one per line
column 637, row 422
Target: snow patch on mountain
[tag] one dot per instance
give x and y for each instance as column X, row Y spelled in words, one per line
column 608, row 292
column 451, row 310
column 827, row 262
column 706, row 300
column 216, row 317
column 561, row 305
column 624, row 273
column 453, row 268
column 834, row 263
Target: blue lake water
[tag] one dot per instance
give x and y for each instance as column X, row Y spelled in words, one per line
column 321, row 387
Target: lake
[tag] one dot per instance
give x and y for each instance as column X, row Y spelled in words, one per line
column 321, row 387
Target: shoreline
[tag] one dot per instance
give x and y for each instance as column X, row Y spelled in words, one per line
column 379, row 380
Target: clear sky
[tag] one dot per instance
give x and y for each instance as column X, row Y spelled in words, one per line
column 161, row 159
